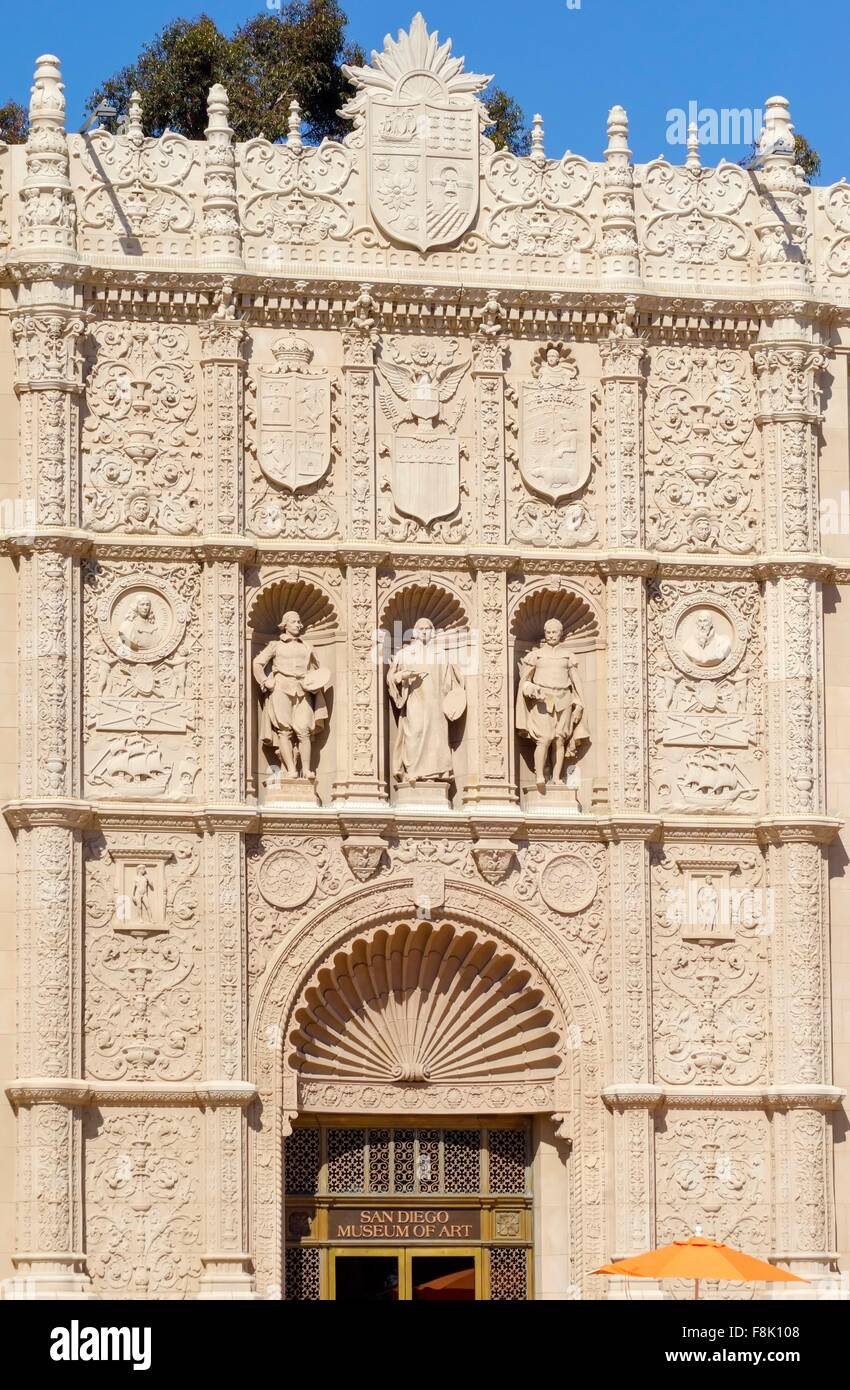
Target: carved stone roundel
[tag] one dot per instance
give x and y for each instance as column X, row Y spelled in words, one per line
column 142, row 620
column 567, row 884
column 705, row 637
column 287, row 879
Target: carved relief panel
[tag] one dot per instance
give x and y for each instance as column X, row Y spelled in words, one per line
column 712, row 928
column 293, row 441
column 143, row 958
column 141, row 445
column 713, row 1171
column 706, row 693
column 696, row 222
column 554, row 485
column 144, row 1202
column 141, row 680
column 288, row 877
column 702, row 460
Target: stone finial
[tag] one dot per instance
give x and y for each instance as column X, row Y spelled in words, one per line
column 776, row 140
column 221, row 235
column 693, row 160
column 47, row 94
column 619, row 249
column 48, row 214
column 133, row 128
column 293, row 138
column 538, row 153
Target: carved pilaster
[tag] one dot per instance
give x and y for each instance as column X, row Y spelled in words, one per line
column 48, row 743
column 48, row 382
column 789, row 416
column 627, row 693
column 47, row 220
column 223, row 363
column 360, row 696
column 49, row 1261
column 802, row 1058
column 226, row 1260
column 793, row 608
column 488, row 361
column 221, row 237
column 632, row 1046
column 359, row 372
column 226, row 698
column 491, row 779
column 622, row 354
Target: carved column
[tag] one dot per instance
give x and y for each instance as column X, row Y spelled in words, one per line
column 359, row 372
column 619, row 255
column 360, row 695
column 491, row 780
column 221, row 237
column 488, row 363
column 223, row 366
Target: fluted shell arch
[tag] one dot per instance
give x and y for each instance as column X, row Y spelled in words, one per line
column 425, row 1003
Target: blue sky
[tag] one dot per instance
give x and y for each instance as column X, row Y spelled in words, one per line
column 569, row 59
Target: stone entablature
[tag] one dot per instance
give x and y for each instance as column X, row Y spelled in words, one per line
column 424, row 553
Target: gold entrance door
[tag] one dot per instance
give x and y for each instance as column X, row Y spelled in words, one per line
column 421, row 1274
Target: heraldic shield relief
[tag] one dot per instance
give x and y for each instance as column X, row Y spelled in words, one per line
column 555, row 452
column 423, row 124
column 294, row 418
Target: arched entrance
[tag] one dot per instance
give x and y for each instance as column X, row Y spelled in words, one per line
column 416, row 1074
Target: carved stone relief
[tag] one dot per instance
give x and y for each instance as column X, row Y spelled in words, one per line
column 706, row 673
column 712, row 926
column 140, row 434
column 142, row 680
column 703, row 490
column 713, row 1171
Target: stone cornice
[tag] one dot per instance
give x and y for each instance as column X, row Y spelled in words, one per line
column 648, row 1096
column 248, row 552
column 72, row 1092
column 391, row 821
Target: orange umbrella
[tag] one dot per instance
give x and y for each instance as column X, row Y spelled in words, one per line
column 699, row 1258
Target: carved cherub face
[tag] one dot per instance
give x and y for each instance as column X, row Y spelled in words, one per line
column 553, row 632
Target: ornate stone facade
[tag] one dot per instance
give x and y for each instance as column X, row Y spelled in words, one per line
column 422, row 700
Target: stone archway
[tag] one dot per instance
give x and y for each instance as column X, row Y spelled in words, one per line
column 318, row 1037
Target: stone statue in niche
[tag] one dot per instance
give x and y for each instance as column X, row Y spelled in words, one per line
column 294, row 702
column 429, row 693
column 550, row 708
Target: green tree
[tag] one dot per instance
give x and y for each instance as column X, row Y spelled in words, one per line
column 270, row 60
column 14, row 123
column 807, row 158
column 509, row 130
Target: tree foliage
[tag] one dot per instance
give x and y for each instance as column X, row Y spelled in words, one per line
column 14, row 123
column 807, row 158
column 509, row 130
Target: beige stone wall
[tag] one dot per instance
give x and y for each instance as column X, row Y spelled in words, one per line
column 9, row 494
column 429, row 408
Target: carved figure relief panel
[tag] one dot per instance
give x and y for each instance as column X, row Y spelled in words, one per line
column 143, row 958
column 144, row 1202
column 141, row 680
column 141, row 445
column 712, row 926
column 292, row 441
column 703, row 487
column 706, row 670
column 553, row 491
column 425, row 431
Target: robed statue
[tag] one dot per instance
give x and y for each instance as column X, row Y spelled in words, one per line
column 293, row 683
column 428, row 692
column 550, row 708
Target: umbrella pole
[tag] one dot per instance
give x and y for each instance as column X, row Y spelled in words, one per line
column 696, row 1288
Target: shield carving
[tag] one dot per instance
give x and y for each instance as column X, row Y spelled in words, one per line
column 555, row 455
column 423, row 169
column 425, row 476
column 295, row 428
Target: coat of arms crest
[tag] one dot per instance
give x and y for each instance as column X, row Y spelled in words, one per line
column 555, row 454
column 423, row 124
column 414, row 387
column 294, row 418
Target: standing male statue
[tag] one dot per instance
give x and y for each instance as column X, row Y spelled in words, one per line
column 294, row 703
column 550, row 707
column 428, row 692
